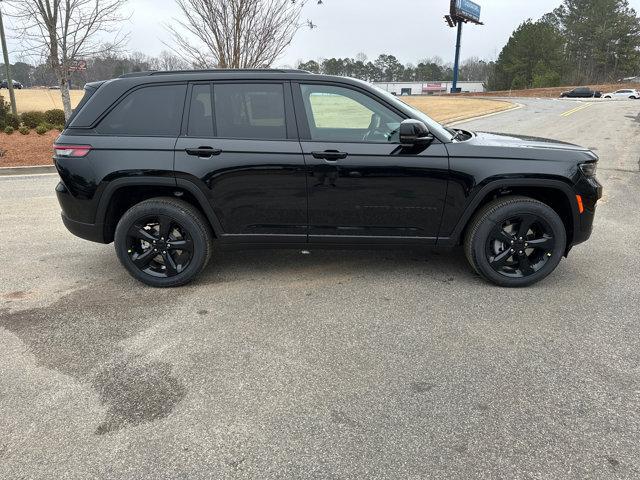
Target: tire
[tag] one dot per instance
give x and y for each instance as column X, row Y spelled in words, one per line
column 163, row 225
column 525, row 260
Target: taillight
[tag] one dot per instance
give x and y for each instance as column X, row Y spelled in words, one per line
column 74, row 151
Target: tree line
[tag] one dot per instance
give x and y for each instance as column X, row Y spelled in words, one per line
column 387, row 68
column 108, row 64
column 580, row 42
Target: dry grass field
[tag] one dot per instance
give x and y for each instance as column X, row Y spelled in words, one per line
column 451, row 109
column 40, row 99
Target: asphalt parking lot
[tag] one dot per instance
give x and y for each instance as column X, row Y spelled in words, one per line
column 338, row 364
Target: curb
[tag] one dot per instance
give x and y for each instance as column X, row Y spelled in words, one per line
column 33, row 170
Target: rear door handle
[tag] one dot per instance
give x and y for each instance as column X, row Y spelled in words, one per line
column 331, row 155
column 204, row 152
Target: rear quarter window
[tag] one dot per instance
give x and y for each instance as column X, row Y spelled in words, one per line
column 147, row 111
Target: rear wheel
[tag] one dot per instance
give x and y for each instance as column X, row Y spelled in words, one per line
column 163, row 242
column 515, row 241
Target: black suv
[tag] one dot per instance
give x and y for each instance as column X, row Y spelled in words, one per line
column 169, row 165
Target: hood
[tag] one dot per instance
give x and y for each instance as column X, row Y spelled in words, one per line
column 523, row 141
column 519, row 147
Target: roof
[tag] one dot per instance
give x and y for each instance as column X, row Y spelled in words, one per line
column 216, row 71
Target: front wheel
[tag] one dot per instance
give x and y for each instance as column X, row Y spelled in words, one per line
column 515, row 241
column 163, row 242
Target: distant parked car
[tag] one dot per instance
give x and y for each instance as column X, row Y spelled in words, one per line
column 16, row 84
column 581, row 92
column 624, row 93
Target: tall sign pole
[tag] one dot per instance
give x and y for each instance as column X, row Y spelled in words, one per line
column 456, row 65
column 7, row 67
column 461, row 11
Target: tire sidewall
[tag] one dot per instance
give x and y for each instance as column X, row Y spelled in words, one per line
column 502, row 214
column 177, row 214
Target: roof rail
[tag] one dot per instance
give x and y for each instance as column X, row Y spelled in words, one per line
column 215, row 70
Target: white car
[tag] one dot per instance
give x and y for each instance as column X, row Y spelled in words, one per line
column 625, row 93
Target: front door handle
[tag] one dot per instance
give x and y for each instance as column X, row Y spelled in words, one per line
column 331, row 155
column 204, row 152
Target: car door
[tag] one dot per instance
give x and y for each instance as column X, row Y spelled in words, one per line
column 363, row 186
column 239, row 145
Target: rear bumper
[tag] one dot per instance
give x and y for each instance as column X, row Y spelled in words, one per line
column 88, row 231
column 74, row 211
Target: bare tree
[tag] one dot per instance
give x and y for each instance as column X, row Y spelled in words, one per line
column 66, row 31
column 236, row 33
column 168, row 61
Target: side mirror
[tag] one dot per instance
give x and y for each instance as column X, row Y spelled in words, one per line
column 414, row 132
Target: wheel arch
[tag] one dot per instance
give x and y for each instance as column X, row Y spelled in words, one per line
column 121, row 194
column 555, row 193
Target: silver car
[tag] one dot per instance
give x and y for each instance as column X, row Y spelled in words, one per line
column 624, row 93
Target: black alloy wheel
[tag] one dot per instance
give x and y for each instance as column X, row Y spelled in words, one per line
column 163, row 242
column 515, row 241
column 520, row 246
column 159, row 246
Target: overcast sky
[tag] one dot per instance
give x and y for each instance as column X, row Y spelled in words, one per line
column 409, row 29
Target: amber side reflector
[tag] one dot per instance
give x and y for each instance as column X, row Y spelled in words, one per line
column 580, row 205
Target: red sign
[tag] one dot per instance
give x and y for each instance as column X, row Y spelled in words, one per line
column 433, row 87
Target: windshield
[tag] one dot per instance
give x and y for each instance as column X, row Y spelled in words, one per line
column 434, row 127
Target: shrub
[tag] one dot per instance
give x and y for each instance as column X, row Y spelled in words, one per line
column 12, row 120
column 24, row 130
column 32, row 119
column 46, row 125
column 8, row 130
column 4, row 110
column 59, row 127
column 41, row 129
column 54, row 116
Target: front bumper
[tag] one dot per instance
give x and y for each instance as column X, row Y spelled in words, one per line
column 591, row 191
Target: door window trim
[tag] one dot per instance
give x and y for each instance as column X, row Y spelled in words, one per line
column 291, row 127
column 303, row 120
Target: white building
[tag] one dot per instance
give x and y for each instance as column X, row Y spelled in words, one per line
column 428, row 88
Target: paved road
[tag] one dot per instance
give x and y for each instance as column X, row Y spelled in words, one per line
column 332, row 365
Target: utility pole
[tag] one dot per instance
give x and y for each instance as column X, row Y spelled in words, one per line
column 7, row 67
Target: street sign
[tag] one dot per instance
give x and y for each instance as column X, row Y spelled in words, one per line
column 465, row 10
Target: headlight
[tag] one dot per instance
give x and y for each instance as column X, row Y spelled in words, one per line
column 589, row 169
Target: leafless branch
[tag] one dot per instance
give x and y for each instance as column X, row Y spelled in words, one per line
column 65, row 31
column 235, row 33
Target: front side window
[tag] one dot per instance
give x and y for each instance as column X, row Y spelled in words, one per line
column 338, row 114
column 252, row 110
column 147, row 111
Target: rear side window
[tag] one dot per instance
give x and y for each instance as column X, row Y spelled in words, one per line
column 147, row 111
column 200, row 112
column 254, row 111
